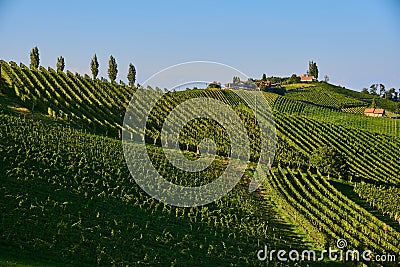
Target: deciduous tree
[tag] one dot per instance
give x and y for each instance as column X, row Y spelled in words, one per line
column 390, row 94
column 214, row 85
column 373, row 88
column 381, row 90
column 328, row 160
column 395, row 96
column 60, row 64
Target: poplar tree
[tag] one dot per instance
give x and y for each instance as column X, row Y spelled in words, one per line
column 94, row 67
column 313, row 69
column 34, row 55
column 131, row 75
column 112, row 69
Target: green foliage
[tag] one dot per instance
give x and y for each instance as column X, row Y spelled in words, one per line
column 390, row 94
column 112, row 69
column 313, row 69
column 373, row 88
column 321, row 208
column 94, row 66
column 384, row 198
column 382, row 90
column 326, row 95
column 293, row 79
column 34, row 56
column 288, row 153
column 214, row 85
column 386, row 104
column 68, row 196
column 94, row 105
column 373, row 104
column 236, row 79
column 60, row 64
column 264, row 77
column 330, row 161
column 273, row 79
column 84, row 206
column 282, row 80
column 365, row 91
column 131, row 75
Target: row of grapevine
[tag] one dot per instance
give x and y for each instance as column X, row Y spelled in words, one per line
column 354, row 110
column 383, row 198
column 361, row 147
column 94, row 105
column 100, row 104
column 324, row 96
column 332, row 213
column 68, row 196
column 357, row 120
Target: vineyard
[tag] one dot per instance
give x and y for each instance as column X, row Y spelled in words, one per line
column 324, row 95
column 329, row 212
column 96, row 105
column 384, row 198
column 67, row 195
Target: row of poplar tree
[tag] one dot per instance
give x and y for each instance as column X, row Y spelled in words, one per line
column 94, row 66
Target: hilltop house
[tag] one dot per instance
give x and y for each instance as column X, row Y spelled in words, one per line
column 374, row 112
column 306, row 78
column 241, row 85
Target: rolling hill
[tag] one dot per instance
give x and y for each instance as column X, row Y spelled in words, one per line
column 67, row 197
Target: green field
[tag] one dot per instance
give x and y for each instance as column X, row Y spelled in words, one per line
column 67, row 197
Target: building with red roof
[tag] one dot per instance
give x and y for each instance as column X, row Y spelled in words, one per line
column 374, row 112
column 306, row 78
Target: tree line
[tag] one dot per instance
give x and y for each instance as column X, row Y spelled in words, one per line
column 94, row 66
column 379, row 90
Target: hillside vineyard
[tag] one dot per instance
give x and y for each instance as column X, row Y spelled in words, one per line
column 67, row 197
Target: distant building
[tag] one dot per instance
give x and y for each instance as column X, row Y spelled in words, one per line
column 241, row 85
column 374, row 112
column 266, row 83
column 306, row 78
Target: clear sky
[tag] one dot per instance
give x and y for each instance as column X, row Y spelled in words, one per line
column 356, row 43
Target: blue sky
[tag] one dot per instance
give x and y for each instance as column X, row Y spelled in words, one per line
column 355, row 43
